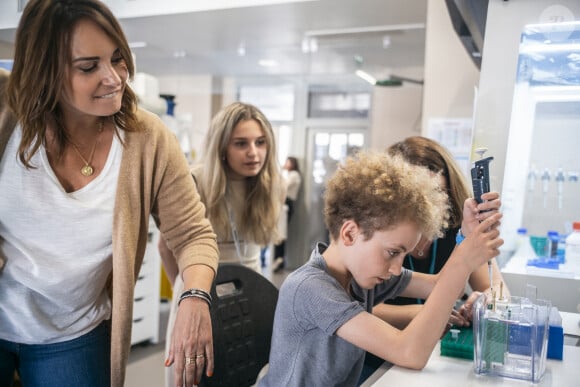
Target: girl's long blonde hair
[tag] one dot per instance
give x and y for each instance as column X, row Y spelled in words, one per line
column 264, row 192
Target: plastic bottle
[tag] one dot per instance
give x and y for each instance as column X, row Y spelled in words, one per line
column 561, row 250
column 522, row 235
column 573, row 249
column 523, row 246
column 552, row 244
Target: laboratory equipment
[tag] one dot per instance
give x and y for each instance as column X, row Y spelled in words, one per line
column 458, row 342
column 511, row 337
column 552, row 246
column 480, row 183
column 561, row 249
column 560, row 179
column 555, row 335
column 545, row 185
column 573, row 249
column 532, row 177
column 540, row 104
column 480, row 175
column 524, row 247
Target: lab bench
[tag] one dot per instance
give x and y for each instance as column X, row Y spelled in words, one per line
column 452, row 371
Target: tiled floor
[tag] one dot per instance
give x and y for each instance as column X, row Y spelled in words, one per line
column 145, row 366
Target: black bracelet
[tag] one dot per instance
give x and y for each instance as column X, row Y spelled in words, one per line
column 198, row 293
column 196, row 296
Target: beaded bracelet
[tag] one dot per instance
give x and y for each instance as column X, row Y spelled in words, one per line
column 198, row 293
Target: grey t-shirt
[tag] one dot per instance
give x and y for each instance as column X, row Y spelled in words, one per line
column 311, row 307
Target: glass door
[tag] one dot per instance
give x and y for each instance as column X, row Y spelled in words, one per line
column 326, row 148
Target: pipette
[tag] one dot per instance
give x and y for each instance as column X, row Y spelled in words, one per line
column 560, row 179
column 545, row 184
column 532, row 176
column 480, row 183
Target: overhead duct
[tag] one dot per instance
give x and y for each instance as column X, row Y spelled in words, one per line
column 468, row 18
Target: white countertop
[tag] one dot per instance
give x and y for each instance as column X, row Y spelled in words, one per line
column 518, row 264
column 453, row 372
column 571, row 323
column 560, row 287
column 449, row 372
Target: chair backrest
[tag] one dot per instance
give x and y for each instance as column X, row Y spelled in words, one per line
column 242, row 316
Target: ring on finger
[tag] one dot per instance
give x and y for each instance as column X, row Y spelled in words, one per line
column 199, row 356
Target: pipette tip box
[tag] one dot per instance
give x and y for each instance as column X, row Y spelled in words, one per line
column 458, row 342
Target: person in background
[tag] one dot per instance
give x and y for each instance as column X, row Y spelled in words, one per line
column 82, row 169
column 430, row 255
column 377, row 208
column 293, row 179
column 240, row 183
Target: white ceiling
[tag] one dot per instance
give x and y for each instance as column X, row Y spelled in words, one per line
column 211, row 39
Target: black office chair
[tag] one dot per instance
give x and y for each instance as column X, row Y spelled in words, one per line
column 242, row 317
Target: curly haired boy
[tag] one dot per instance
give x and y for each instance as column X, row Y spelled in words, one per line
column 377, row 207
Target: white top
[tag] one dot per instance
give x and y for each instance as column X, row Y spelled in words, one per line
column 238, row 250
column 58, row 247
column 293, row 180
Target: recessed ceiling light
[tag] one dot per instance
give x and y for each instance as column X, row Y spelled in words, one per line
column 179, row 54
column 309, row 44
column 386, row 41
column 242, row 49
column 268, row 63
column 137, row 44
column 366, row 76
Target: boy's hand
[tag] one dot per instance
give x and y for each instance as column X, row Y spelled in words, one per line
column 474, row 213
column 482, row 244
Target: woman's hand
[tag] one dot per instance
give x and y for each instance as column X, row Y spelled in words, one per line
column 466, row 310
column 191, row 343
column 473, row 213
column 455, row 319
column 458, row 319
column 463, row 316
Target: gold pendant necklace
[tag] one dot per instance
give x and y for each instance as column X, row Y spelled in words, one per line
column 87, row 169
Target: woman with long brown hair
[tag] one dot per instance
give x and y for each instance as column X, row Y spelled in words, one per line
column 82, row 169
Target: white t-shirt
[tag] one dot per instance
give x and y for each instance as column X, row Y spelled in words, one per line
column 293, row 181
column 58, row 249
column 241, row 250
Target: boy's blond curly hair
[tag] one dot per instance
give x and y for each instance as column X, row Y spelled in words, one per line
column 379, row 191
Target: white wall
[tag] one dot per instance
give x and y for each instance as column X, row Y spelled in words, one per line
column 450, row 74
column 395, row 114
column 448, row 92
column 6, row 50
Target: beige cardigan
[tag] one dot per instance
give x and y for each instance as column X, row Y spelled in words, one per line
column 154, row 179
